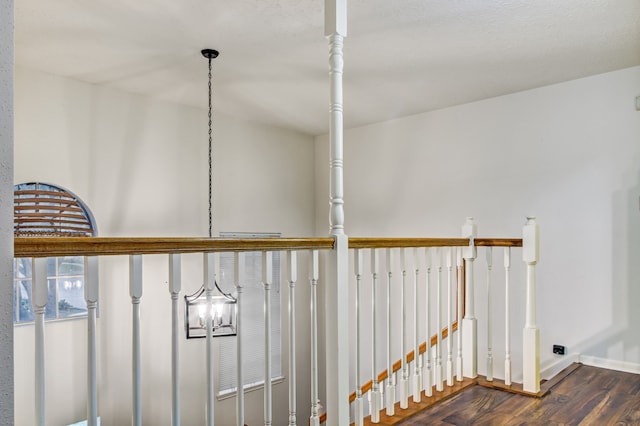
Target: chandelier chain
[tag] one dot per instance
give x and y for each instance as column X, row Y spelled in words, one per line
column 210, row 158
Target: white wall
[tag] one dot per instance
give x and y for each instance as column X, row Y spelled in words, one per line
column 568, row 154
column 6, row 214
column 141, row 166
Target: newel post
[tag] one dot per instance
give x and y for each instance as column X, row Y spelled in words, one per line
column 470, row 322
column 531, row 334
column 337, row 294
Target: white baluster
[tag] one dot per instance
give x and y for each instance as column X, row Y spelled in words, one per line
column 292, row 263
column 91, row 291
column 209, row 278
column 428, row 374
column 459, row 312
column 175, row 285
column 449, row 318
column 267, row 276
column 314, row 271
column 239, row 273
column 507, row 321
column 39, row 301
column 404, row 382
column 417, row 359
column 438, row 372
column 489, row 253
column 135, row 291
column 391, row 380
column 469, row 323
column 358, row 407
column 531, row 334
column 375, row 400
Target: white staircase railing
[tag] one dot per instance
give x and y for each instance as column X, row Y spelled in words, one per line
column 136, row 249
column 438, row 310
column 419, row 311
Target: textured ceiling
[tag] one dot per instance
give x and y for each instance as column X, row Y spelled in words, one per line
column 401, row 56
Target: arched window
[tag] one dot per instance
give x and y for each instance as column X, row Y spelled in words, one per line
column 45, row 210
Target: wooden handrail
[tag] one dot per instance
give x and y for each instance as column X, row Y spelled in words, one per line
column 104, row 246
column 498, row 242
column 377, row 243
column 370, row 243
column 101, row 246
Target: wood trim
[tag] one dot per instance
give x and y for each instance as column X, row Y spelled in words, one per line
column 37, row 192
column 414, row 408
column 23, row 216
column 101, row 246
column 410, row 357
column 55, row 200
column 57, row 206
column 376, row 243
column 498, row 242
column 57, row 226
column 80, row 220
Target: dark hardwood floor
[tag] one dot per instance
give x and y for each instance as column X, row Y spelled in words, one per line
column 588, row 396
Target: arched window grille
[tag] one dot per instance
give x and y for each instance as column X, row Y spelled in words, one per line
column 42, row 209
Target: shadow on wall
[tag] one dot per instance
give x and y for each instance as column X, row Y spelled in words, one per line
column 621, row 340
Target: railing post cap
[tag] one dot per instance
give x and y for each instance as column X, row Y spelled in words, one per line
column 531, row 241
column 469, row 230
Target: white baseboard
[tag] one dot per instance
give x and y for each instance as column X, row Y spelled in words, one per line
column 627, row 367
column 556, row 366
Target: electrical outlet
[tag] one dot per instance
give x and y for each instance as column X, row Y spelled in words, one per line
column 559, row 350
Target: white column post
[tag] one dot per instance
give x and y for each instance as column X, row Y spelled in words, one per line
column 469, row 323
column 438, row 366
column 7, row 48
column 39, row 301
column 175, row 283
column 314, row 272
column 209, row 279
column 292, row 263
column 404, row 380
column 358, row 407
column 417, row 358
column 239, row 273
column 91, row 291
column 428, row 373
column 449, row 317
column 135, row 291
column 531, row 334
column 459, row 292
column 267, row 277
column 507, row 320
column 375, row 401
column 337, row 284
column 391, row 379
column 335, row 29
column 489, row 254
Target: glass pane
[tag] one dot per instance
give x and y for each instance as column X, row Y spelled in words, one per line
column 71, row 301
column 22, row 268
column 51, row 267
column 50, row 310
column 70, row 265
column 24, row 310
